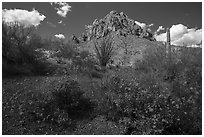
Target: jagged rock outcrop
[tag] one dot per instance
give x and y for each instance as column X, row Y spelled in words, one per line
column 116, row 22
column 129, row 39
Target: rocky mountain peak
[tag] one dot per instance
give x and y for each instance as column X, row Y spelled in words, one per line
column 116, row 22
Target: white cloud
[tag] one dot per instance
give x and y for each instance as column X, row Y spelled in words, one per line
column 60, row 22
column 161, row 37
column 27, row 18
column 60, row 36
column 181, row 35
column 159, row 29
column 143, row 25
column 51, row 24
column 150, row 25
column 63, row 9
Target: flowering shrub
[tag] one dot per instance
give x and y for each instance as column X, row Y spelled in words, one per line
column 153, row 107
column 84, row 62
column 147, row 103
column 20, row 57
column 68, row 96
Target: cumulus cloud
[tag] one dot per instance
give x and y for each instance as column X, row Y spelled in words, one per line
column 27, row 18
column 60, row 36
column 60, row 22
column 160, row 29
column 144, row 25
column 51, row 24
column 62, row 9
column 161, row 37
column 150, row 25
column 182, row 35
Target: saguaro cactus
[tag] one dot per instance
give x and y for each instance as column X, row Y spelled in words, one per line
column 168, row 46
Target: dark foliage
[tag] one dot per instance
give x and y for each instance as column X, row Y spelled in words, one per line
column 149, row 104
column 20, row 57
column 69, row 97
column 67, row 50
column 96, row 74
column 156, row 97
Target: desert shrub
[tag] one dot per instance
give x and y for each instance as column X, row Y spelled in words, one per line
column 96, row 74
column 80, row 61
column 14, row 38
column 68, row 96
column 43, row 67
column 13, row 70
column 134, row 104
column 154, row 59
column 99, row 126
column 147, row 103
column 104, row 50
column 35, row 41
column 84, row 62
column 19, row 45
column 149, row 106
column 57, row 111
column 187, row 88
column 67, row 50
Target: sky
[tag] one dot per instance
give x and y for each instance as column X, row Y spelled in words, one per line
column 63, row 19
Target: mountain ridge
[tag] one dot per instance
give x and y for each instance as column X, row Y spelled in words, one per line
column 129, row 39
column 119, row 23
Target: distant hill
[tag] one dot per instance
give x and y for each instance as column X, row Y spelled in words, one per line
column 130, row 40
column 119, row 23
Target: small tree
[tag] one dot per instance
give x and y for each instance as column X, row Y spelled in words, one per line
column 19, row 33
column 104, row 50
column 35, row 41
column 15, row 36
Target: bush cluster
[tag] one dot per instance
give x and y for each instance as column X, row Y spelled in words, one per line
column 78, row 61
column 84, row 62
column 60, row 111
column 68, row 96
column 19, row 55
column 151, row 104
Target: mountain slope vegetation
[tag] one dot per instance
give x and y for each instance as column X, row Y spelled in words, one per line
column 115, row 80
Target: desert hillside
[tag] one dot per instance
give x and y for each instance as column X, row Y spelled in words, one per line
column 129, row 39
column 113, row 79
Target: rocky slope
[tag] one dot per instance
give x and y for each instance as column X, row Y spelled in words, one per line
column 119, row 23
column 129, row 39
column 127, row 50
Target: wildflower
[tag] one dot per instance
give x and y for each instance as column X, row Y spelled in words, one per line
column 151, row 109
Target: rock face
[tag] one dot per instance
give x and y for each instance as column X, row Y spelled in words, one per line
column 116, row 22
column 129, row 39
